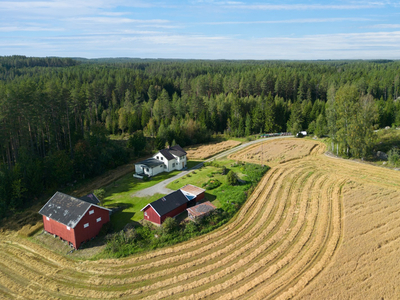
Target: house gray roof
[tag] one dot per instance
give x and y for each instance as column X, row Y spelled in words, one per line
column 150, row 162
column 177, row 150
column 66, row 209
column 168, row 203
column 167, row 154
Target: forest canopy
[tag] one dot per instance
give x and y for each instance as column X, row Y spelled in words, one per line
column 56, row 113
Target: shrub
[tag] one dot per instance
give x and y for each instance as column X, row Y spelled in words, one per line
column 100, row 193
column 211, row 184
column 169, row 225
column 232, row 178
column 394, row 157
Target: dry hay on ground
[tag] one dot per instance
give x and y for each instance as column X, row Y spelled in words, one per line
column 206, row 151
column 272, row 152
column 314, row 228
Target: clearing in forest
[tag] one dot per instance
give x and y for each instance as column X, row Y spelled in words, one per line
column 314, row 228
column 206, row 151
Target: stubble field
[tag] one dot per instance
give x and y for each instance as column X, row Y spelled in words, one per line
column 206, row 151
column 314, row 228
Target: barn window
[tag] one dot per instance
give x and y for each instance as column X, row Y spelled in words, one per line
column 47, row 218
column 68, row 228
column 91, row 212
column 98, row 219
column 145, row 213
column 86, row 225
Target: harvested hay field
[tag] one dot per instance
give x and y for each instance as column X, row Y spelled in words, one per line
column 274, row 152
column 314, row 228
column 206, row 151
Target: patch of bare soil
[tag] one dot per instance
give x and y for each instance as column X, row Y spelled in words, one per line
column 206, row 151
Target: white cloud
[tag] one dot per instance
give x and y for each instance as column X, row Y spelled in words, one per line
column 353, row 6
column 161, row 45
column 322, row 20
column 384, row 26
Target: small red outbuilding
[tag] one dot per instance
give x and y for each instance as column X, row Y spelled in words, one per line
column 72, row 219
column 172, row 204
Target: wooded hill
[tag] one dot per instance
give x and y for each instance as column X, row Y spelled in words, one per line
column 56, row 113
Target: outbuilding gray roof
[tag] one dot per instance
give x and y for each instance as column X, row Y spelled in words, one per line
column 66, row 209
column 168, row 203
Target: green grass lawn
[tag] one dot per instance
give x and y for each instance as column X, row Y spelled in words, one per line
column 120, row 193
column 217, row 195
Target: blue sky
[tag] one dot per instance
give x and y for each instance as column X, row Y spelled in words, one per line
column 202, row 29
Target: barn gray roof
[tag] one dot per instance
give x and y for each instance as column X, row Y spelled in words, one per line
column 168, row 203
column 66, row 209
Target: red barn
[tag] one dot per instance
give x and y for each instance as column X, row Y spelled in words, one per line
column 73, row 220
column 169, row 206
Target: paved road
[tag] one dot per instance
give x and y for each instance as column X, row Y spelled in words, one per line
column 160, row 188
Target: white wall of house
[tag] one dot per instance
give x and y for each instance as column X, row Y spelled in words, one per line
column 143, row 169
column 178, row 163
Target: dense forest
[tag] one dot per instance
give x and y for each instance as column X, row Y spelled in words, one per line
column 56, row 114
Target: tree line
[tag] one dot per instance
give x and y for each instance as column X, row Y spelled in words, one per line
column 56, row 113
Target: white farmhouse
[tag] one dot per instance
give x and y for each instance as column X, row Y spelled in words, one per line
column 169, row 159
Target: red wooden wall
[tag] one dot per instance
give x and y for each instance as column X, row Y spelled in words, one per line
column 152, row 216
column 84, row 234
column 59, row 229
column 174, row 212
column 79, row 234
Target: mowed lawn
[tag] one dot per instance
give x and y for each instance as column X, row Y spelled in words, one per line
column 120, row 194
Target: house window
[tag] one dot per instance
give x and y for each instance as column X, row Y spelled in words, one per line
column 162, row 158
column 47, row 218
column 147, row 169
column 91, row 212
column 86, row 225
column 68, row 228
column 98, row 219
column 165, row 166
column 173, row 164
column 157, row 157
column 145, row 214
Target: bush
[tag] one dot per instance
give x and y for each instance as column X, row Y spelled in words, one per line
column 100, row 193
column 232, row 178
column 211, row 184
column 169, row 225
column 394, row 157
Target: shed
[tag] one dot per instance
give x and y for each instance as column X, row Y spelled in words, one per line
column 169, row 206
column 200, row 210
column 193, row 193
column 73, row 220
